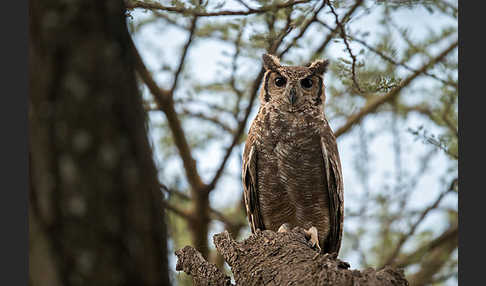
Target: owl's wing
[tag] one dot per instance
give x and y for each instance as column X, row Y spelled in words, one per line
column 250, row 186
column 334, row 181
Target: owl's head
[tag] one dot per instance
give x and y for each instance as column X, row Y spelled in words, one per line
column 293, row 88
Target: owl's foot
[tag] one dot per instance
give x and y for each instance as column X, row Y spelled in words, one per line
column 311, row 234
column 284, row 228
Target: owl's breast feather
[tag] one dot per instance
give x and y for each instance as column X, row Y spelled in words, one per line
column 293, row 130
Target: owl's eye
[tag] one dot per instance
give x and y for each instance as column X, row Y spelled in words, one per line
column 306, row 83
column 280, row 81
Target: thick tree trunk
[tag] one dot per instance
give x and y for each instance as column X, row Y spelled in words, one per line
column 95, row 213
column 270, row 258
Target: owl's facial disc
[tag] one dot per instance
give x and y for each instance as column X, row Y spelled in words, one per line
column 293, row 88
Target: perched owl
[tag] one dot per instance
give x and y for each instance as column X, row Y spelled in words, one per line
column 291, row 168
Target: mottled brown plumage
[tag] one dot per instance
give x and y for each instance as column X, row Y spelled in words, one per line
column 291, row 167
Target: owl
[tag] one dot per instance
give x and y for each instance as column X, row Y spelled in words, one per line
column 291, row 169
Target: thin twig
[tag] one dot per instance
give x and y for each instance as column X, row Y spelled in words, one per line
column 243, row 121
column 348, row 48
column 161, row 94
column 212, row 119
column 210, row 106
column 452, row 127
column 244, row 4
column 217, row 215
column 165, row 103
column 238, row 133
column 389, row 59
column 344, row 20
column 303, row 29
column 434, row 260
column 377, row 101
column 412, row 230
column 197, row 12
column 426, row 111
column 192, row 29
column 415, row 255
column 185, row 215
column 238, row 92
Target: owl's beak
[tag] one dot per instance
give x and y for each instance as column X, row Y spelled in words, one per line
column 292, row 96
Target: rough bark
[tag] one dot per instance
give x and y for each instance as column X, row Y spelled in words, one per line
column 270, row 258
column 95, row 212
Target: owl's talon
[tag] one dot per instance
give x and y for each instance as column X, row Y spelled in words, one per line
column 311, row 234
column 284, row 228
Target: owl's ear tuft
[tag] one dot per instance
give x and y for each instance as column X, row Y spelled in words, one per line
column 270, row 62
column 319, row 66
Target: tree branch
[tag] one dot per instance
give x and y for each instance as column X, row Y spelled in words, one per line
column 348, row 48
column 377, row 101
column 239, row 131
column 209, row 105
column 161, row 94
column 164, row 101
column 416, row 256
column 216, row 215
column 192, row 29
column 434, row 260
column 388, row 58
column 413, row 228
column 238, row 92
column 303, row 29
column 212, row 119
column 184, row 214
column 197, row 12
column 242, row 123
column 333, row 32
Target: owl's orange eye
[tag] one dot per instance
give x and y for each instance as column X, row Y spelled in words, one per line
column 280, row 81
column 306, row 83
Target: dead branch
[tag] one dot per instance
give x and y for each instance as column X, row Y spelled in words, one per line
column 270, row 258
